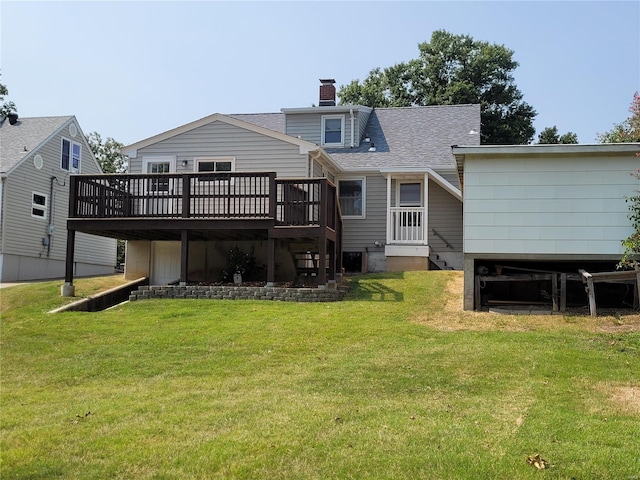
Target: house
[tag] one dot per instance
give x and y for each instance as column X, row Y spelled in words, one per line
column 535, row 215
column 307, row 190
column 37, row 157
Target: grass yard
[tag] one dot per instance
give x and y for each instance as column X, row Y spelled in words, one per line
column 396, row 382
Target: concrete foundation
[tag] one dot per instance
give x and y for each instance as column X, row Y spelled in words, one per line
column 403, row 264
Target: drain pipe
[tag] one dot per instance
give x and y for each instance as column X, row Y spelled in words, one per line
column 51, row 226
column 352, row 124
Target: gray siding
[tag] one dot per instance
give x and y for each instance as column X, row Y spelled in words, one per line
column 308, row 126
column 450, row 176
column 360, row 233
column 445, row 216
column 23, row 233
column 362, row 119
column 252, row 151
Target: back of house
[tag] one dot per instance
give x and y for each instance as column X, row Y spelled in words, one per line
column 393, row 169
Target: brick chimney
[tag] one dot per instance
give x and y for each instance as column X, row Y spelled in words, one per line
column 327, row 92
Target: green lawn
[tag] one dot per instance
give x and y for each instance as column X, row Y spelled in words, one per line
column 393, row 383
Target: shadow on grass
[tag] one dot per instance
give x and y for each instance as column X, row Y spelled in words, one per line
column 368, row 288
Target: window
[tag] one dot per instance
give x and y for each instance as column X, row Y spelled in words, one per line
column 410, row 195
column 223, row 164
column 158, row 165
column 351, row 194
column 159, row 184
column 70, row 156
column 333, row 130
column 38, row 205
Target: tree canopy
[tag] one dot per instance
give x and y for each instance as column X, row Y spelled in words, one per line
column 7, row 107
column 108, row 153
column 453, row 69
column 629, row 129
column 550, row 135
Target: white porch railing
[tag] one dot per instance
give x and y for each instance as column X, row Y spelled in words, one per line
column 407, row 225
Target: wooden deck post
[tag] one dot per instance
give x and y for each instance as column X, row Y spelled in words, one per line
column 554, row 293
column 68, row 289
column 563, row 292
column 271, row 262
column 588, row 278
column 184, row 257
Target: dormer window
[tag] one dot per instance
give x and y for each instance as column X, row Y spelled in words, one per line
column 333, row 130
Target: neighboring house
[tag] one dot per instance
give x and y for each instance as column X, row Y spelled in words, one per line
column 37, row 156
column 390, row 169
column 539, row 210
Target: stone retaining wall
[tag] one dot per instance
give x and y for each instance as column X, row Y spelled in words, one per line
column 224, row 292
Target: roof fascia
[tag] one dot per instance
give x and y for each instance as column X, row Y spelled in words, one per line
column 45, row 141
column 305, row 146
column 446, row 185
column 576, row 148
column 328, row 109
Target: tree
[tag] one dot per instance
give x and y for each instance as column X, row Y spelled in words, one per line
column 453, row 69
column 550, row 136
column 629, row 129
column 108, row 154
column 7, row 107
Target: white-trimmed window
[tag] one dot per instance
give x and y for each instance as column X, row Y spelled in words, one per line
column 410, row 194
column 333, row 130
column 352, row 194
column 39, row 202
column 215, row 164
column 156, row 165
column 71, row 155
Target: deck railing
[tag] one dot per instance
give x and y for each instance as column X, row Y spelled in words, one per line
column 289, row 202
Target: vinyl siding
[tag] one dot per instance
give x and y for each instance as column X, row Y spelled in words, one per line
column 308, row 126
column 550, row 205
column 252, row 151
column 362, row 232
column 23, row 233
column 445, row 216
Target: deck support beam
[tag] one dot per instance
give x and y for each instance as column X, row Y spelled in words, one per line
column 68, row 289
column 271, row 262
column 184, row 257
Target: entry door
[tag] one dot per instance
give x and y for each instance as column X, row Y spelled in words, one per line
column 158, row 189
column 165, row 264
column 410, row 201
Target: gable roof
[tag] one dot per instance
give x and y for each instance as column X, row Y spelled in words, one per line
column 412, row 137
column 236, row 120
column 28, row 134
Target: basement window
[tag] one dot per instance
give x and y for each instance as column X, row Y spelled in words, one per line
column 352, row 262
column 38, row 205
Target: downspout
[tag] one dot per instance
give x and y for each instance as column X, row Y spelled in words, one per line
column 3, row 178
column 352, row 125
column 50, row 226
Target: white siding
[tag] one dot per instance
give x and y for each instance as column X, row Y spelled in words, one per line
column 553, row 205
column 253, row 152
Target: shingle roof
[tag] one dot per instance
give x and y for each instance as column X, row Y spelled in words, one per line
column 403, row 136
column 272, row 121
column 19, row 140
column 412, row 137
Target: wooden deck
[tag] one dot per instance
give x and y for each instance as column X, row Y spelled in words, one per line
column 207, row 206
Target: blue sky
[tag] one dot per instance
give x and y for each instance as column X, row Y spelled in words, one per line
column 130, row 70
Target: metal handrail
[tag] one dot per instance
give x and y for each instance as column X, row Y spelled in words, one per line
column 435, row 232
